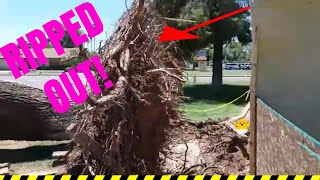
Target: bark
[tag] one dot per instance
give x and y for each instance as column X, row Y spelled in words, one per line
column 217, row 65
column 26, row 114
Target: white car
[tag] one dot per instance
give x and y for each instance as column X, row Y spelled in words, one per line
column 245, row 66
column 232, row 66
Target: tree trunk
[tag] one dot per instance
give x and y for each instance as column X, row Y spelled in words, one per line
column 217, row 65
column 26, row 114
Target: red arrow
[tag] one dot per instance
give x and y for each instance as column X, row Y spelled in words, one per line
column 172, row 34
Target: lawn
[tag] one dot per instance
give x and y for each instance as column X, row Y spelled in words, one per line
column 202, row 99
column 225, row 73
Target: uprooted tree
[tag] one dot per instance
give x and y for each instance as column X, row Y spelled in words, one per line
column 122, row 131
column 26, row 114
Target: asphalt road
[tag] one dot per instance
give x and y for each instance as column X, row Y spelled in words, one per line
column 38, row 81
column 226, row 80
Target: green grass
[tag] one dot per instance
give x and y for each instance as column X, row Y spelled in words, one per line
column 225, row 72
column 201, row 97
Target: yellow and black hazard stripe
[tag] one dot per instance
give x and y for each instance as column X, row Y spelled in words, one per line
column 164, row 177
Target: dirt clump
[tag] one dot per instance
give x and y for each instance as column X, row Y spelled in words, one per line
column 206, row 148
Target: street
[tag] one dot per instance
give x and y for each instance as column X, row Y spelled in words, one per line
column 226, row 79
column 38, row 81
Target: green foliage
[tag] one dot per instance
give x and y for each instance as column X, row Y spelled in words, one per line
column 170, row 8
column 236, row 51
column 67, row 42
column 203, row 10
column 211, row 52
column 196, row 12
column 244, row 34
column 225, row 30
column 49, row 44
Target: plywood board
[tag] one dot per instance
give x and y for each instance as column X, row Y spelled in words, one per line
column 283, row 148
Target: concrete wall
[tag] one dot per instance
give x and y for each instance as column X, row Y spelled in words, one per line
column 3, row 65
column 54, row 61
column 51, row 62
column 288, row 60
column 202, row 66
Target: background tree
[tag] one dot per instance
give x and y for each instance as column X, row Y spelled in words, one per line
column 236, row 51
column 66, row 42
column 217, row 34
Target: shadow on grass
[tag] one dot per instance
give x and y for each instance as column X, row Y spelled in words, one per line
column 33, row 153
column 204, row 92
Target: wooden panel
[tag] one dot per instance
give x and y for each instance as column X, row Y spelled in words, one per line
column 283, row 148
column 253, row 87
column 285, row 43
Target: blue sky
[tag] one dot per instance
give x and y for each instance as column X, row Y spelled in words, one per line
column 19, row 17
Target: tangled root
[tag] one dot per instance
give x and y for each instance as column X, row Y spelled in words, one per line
column 122, row 131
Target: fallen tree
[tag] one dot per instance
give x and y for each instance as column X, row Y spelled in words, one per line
column 122, row 131
column 26, row 114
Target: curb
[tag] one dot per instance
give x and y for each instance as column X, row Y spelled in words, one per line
column 222, row 76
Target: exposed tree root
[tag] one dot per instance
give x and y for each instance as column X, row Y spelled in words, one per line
column 123, row 131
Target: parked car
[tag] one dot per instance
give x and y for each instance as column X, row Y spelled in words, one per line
column 245, row 66
column 232, row 66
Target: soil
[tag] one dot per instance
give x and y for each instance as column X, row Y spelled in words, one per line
column 206, row 148
column 27, row 157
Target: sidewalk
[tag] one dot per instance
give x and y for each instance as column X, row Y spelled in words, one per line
column 35, row 73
